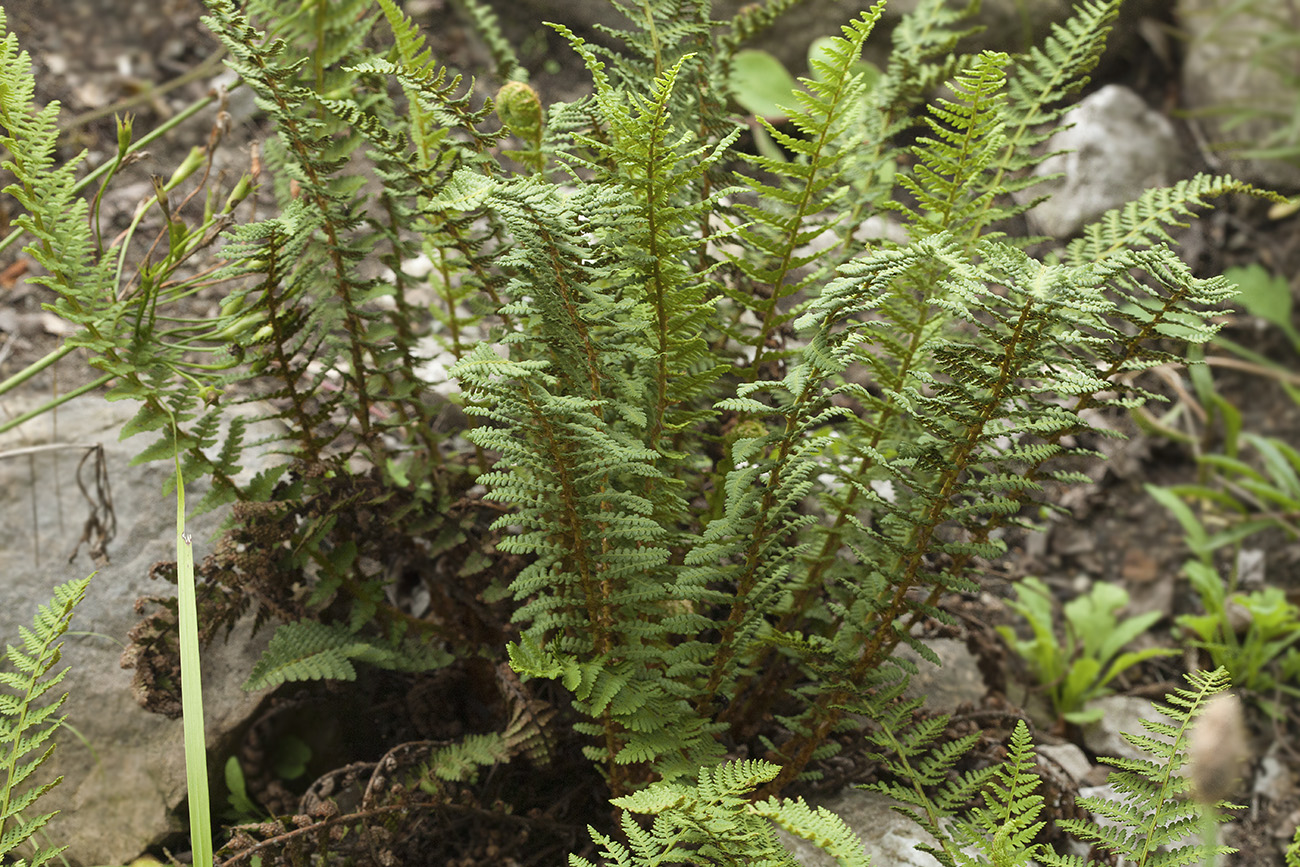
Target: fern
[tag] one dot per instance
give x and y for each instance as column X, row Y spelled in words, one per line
column 925, row 782
column 460, row 762
column 966, row 138
column 28, row 718
column 310, row 650
column 1003, row 828
column 484, row 21
column 734, row 446
column 712, row 822
column 803, row 206
column 1152, row 819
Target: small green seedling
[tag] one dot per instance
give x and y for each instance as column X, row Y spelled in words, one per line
column 240, row 807
column 1273, row 627
column 1078, row 667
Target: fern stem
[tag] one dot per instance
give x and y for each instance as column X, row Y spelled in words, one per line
column 657, row 279
column 343, row 280
column 745, row 583
column 810, row 588
column 828, row 709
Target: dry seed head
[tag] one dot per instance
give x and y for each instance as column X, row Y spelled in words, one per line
column 1217, row 749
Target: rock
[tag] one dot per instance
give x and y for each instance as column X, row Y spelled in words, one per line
column 123, row 782
column 1117, row 148
column 1224, row 68
column 957, row 681
column 1120, row 713
column 1275, row 780
column 1068, row 758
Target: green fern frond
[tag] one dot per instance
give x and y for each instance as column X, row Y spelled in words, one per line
column 713, row 824
column 803, row 202
column 819, row 826
column 1041, row 80
column 658, row 170
column 460, row 762
column 923, row 57
column 484, row 21
column 657, row 36
column 1003, row 828
column 967, row 135
column 754, row 19
column 311, row 650
column 1152, row 820
column 1141, row 223
column 925, row 782
column 28, row 717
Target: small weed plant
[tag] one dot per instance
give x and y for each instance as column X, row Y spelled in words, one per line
column 1078, row 667
column 672, row 428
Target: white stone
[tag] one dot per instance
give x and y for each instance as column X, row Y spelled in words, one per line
column 1116, row 148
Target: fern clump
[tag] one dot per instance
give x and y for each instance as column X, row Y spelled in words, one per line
column 741, row 445
column 675, row 426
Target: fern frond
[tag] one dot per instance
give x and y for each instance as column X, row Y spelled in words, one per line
column 27, row 722
column 926, row 783
column 754, row 19
column 966, row 137
column 1141, row 223
column 311, row 650
column 802, row 202
column 484, row 21
column 1041, row 80
column 1004, row 826
column 924, row 56
column 658, row 169
column 1151, row 820
column 460, row 762
column 713, row 824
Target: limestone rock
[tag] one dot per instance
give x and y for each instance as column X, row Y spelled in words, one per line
column 957, row 681
column 1116, row 149
column 1224, row 68
column 1120, row 713
column 123, row 784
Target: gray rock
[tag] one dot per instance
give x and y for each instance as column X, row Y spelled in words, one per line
column 1068, row 758
column 1275, row 779
column 957, row 681
column 1120, row 713
column 1225, row 69
column 1117, row 148
column 124, row 782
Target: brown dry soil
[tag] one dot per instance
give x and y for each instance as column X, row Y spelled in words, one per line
column 101, row 56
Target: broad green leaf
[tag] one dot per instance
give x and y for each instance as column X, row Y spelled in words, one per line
column 761, row 84
column 1265, row 295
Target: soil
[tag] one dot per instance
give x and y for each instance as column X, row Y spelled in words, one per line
column 101, row 56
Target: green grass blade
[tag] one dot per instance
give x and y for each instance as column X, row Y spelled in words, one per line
column 196, row 754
